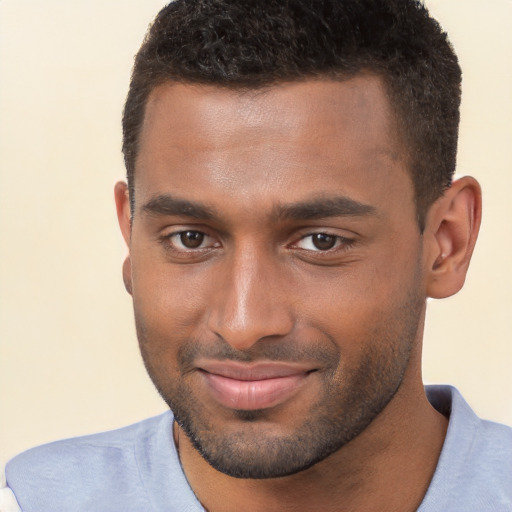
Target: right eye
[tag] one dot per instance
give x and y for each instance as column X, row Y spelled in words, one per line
column 189, row 240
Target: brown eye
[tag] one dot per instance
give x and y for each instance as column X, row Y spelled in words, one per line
column 323, row 242
column 192, row 239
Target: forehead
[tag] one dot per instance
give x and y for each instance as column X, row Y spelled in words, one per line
column 287, row 140
column 359, row 103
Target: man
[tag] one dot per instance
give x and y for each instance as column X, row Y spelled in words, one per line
column 289, row 208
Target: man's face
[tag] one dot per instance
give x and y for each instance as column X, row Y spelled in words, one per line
column 275, row 267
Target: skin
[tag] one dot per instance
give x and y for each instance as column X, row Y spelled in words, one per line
column 254, row 282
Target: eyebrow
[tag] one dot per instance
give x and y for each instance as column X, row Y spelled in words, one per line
column 324, row 207
column 169, row 205
column 320, row 208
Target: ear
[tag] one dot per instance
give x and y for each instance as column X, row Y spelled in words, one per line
column 124, row 218
column 451, row 231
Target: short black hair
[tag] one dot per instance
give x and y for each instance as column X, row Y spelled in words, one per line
column 256, row 43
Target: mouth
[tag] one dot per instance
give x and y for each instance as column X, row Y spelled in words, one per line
column 253, row 386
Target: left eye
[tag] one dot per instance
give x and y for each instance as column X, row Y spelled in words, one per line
column 319, row 242
column 189, row 240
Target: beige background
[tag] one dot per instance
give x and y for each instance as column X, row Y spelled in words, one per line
column 69, row 363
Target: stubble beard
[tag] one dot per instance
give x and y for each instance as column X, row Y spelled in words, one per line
column 332, row 422
column 344, row 409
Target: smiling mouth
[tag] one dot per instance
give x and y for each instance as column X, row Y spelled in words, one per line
column 251, row 387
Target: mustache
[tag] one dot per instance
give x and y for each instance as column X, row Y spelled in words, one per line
column 291, row 351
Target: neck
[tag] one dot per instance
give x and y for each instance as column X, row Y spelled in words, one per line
column 387, row 467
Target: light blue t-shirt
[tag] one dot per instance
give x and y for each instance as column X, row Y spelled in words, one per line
column 136, row 468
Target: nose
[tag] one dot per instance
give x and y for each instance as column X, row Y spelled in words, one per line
column 250, row 301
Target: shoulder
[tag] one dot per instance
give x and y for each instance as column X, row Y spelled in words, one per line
column 488, row 463
column 474, row 438
column 474, row 470
column 76, row 470
column 97, row 449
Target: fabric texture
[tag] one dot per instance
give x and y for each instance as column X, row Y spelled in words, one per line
column 137, row 468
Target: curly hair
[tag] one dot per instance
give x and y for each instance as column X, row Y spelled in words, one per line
column 256, row 43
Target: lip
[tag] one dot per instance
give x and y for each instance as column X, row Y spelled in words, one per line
column 253, row 386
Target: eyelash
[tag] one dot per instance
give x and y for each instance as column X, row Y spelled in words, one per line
column 341, row 244
column 167, row 240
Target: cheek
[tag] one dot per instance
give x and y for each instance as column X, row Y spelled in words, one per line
column 358, row 303
column 342, row 294
column 168, row 315
column 168, row 298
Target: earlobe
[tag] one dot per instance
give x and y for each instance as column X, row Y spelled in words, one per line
column 451, row 232
column 127, row 274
